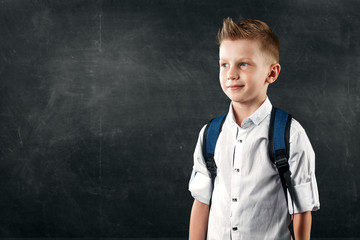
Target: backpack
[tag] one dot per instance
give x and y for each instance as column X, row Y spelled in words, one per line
column 278, row 147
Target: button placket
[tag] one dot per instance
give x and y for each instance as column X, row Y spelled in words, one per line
column 238, row 157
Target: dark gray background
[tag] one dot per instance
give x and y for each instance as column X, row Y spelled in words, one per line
column 102, row 102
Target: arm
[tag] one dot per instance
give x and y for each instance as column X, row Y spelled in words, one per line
column 302, row 225
column 302, row 167
column 198, row 221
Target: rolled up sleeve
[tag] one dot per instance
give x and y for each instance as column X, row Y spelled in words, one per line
column 302, row 167
column 200, row 182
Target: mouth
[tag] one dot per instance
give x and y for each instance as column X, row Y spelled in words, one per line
column 235, row 87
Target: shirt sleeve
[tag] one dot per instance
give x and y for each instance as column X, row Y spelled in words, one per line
column 302, row 167
column 200, row 182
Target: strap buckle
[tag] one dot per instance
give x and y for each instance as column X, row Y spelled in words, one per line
column 280, row 159
column 282, row 162
column 211, row 165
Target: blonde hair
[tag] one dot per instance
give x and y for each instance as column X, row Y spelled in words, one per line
column 251, row 29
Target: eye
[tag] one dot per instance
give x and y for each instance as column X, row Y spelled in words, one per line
column 224, row 65
column 244, row 64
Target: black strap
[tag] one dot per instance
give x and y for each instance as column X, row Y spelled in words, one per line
column 279, row 149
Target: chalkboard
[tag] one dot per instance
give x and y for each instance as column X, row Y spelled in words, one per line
column 102, row 102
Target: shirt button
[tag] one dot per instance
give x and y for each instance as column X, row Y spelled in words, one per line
column 234, row 228
column 240, row 140
column 234, row 199
column 237, row 170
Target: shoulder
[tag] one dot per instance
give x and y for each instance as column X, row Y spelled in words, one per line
column 296, row 127
column 217, row 122
column 297, row 132
column 201, row 134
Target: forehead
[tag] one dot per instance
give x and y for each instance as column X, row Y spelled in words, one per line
column 240, row 48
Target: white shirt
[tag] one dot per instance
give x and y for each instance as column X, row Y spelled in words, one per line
column 248, row 200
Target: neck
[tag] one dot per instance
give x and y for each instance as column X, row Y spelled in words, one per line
column 245, row 110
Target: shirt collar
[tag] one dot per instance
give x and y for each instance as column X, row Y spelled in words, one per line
column 256, row 118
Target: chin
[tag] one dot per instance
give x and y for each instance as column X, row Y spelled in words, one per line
column 236, row 98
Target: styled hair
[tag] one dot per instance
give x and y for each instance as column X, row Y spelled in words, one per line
column 251, row 29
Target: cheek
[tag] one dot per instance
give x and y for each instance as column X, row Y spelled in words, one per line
column 222, row 75
column 222, row 79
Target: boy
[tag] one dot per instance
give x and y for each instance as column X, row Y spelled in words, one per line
column 247, row 200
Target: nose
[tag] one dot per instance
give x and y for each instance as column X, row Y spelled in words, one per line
column 233, row 74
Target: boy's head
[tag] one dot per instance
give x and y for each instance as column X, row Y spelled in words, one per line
column 248, row 59
column 253, row 30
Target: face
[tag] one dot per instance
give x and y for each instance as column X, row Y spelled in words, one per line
column 244, row 71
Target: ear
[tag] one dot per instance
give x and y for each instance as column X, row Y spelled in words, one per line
column 273, row 73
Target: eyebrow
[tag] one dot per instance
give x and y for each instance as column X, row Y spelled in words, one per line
column 237, row 60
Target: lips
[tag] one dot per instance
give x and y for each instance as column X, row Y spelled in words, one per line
column 235, row 87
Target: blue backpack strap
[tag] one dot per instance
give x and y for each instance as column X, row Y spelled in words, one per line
column 279, row 132
column 279, row 135
column 211, row 134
